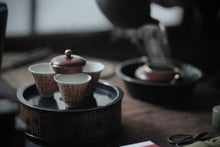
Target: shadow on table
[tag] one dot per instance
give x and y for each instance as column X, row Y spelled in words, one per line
column 205, row 95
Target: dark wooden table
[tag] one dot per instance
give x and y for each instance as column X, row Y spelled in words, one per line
column 143, row 121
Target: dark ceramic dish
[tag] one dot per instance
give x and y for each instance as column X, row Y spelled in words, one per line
column 159, row 92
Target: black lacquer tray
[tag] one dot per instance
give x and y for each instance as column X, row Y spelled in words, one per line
column 94, row 118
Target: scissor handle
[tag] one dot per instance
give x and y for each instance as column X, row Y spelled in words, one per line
column 179, row 138
column 200, row 135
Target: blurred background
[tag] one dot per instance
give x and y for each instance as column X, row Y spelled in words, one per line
column 31, row 17
column 192, row 28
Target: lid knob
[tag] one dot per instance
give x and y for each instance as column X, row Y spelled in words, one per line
column 68, row 53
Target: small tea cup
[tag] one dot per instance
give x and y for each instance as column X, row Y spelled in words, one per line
column 44, row 79
column 72, row 87
column 94, row 69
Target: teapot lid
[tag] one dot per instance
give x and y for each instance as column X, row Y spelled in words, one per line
column 68, row 62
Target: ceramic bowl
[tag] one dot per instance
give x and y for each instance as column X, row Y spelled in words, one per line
column 159, row 92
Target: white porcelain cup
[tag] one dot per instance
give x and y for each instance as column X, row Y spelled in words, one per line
column 72, row 87
column 44, row 78
column 94, row 69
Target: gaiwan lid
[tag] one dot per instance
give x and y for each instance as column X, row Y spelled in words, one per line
column 68, row 63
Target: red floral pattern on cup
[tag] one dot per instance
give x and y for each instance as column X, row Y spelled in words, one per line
column 94, row 69
column 72, row 93
column 45, row 84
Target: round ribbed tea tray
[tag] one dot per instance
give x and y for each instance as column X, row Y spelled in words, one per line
column 48, row 120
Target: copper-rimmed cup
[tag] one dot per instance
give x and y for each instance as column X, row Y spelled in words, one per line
column 94, row 69
column 44, row 78
column 72, row 87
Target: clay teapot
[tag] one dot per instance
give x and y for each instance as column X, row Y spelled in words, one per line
column 162, row 74
column 158, row 65
column 148, row 74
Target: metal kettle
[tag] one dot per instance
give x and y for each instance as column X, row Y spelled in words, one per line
column 126, row 13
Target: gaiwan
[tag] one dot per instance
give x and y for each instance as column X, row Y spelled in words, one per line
column 68, row 63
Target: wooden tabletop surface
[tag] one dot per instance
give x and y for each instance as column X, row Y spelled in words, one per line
column 141, row 121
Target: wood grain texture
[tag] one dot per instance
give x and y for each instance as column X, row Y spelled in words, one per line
column 72, row 127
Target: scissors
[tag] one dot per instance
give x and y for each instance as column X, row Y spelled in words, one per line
column 183, row 139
